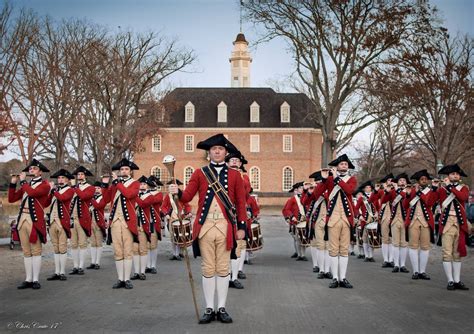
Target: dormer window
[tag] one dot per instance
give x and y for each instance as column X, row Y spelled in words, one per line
column 222, row 112
column 189, row 112
column 285, row 112
column 254, row 112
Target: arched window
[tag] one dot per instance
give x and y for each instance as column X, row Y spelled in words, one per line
column 189, row 112
column 188, row 171
column 285, row 112
column 222, row 112
column 287, row 178
column 254, row 112
column 156, row 171
column 254, row 175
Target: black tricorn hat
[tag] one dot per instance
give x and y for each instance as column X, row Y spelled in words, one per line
column 341, row 158
column 82, row 169
column 421, row 173
column 451, row 169
column 178, row 182
column 156, row 180
column 125, row 163
column 402, row 176
column 295, row 186
column 98, row 184
column 316, row 176
column 217, row 140
column 386, row 177
column 62, row 172
column 237, row 155
column 365, row 184
column 38, row 164
column 144, row 179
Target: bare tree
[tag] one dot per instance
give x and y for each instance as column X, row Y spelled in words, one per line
column 333, row 44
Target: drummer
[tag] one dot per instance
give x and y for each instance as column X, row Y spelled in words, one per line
column 253, row 212
column 366, row 208
column 294, row 214
column 170, row 212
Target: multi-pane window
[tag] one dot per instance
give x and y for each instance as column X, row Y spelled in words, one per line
column 254, row 175
column 254, row 113
column 188, row 171
column 189, row 112
column 285, row 112
column 156, row 143
column 254, row 143
column 222, row 112
column 287, row 143
column 287, row 178
column 188, row 143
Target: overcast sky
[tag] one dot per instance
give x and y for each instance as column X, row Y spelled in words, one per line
column 209, row 28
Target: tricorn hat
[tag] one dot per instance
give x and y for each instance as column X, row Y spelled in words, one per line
column 82, row 169
column 451, row 169
column 178, row 182
column 144, row 179
column 36, row 163
column 125, row 163
column 98, row 184
column 386, row 177
column 341, row 158
column 365, row 184
column 62, row 172
column 296, row 186
column 421, row 173
column 217, row 140
column 316, row 176
column 402, row 176
column 156, row 180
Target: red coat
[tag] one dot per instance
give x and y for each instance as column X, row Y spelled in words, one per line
column 128, row 195
column 247, row 184
column 157, row 203
column 145, row 204
column 427, row 201
column 167, row 208
column 347, row 188
column 64, row 199
column 461, row 197
column 99, row 205
column 361, row 209
column 236, row 191
column 38, row 200
column 85, row 197
column 291, row 211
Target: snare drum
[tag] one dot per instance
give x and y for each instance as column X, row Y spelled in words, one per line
column 255, row 240
column 373, row 236
column 181, row 234
column 302, row 235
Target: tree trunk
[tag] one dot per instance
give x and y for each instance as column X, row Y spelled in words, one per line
column 327, row 152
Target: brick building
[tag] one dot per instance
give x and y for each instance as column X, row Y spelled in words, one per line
column 269, row 128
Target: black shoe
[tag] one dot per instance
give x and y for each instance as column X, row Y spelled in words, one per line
column 142, row 277
column 395, row 270
column 208, row 316
column 91, row 266
column 174, row 258
column 321, row 275
column 294, row 256
column 235, row 284
column 62, row 277
column 415, row 276
column 404, row 270
column 460, row 286
column 304, row 258
column 385, row 264
column 424, row 276
column 367, row 259
column 371, row 259
column 360, row 256
column 241, row 275
column 316, row 269
column 36, row 285
column 328, row 275
column 74, row 271
column 334, row 284
column 153, row 270
column 181, row 256
column 118, row 285
column 80, row 271
column 128, row 285
column 451, row 286
column 352, row 254
column 246, row 262
column 147, row 270
column 54, row 277
column 345, row 284
column 135, row 276
column 299, row 258
column 392, row 264
column 25, row 285
column 223, row 316
column 97, row 267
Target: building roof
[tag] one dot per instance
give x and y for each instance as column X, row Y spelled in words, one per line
column 238, row 101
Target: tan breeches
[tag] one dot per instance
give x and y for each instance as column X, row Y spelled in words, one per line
column 141, row 248
column 318, row 240
column 241, row 246
column 214, row 253
column 122, row 239
column 385, row 230
column 339, row 238
column 96, row 236
column 58, row 237
column 78, row 236
column 419, row 235
column 450, row 240
column 29, row 249
column 153, row 244
column 398, row 233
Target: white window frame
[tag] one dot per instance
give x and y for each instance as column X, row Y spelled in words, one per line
column 222, row 112
column 290, row 138
column 255, row 184
column 285, row 116
column 254, row 113
column 254, row 143
column 185, row 178
column 185, row 143
column 291, row 181
column 153, row 147
column 189, row 117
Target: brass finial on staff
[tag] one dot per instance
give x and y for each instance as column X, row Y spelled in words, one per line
column 169, row 161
